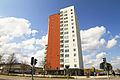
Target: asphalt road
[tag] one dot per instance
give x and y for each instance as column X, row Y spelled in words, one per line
column 29, row 78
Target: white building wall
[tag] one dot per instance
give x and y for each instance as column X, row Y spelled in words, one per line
column 74, row 60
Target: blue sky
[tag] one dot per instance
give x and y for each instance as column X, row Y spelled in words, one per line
column 91, row 13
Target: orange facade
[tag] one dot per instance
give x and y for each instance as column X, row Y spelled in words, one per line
column 53, row 50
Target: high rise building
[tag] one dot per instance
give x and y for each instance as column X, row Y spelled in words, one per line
column 53, row 50
column 64, row 43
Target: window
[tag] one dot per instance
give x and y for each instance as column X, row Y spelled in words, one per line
column 72, row 23
column 65, row 18
column 61, row 60
column 67, row 41
column 61, row 21
column 71, row 19
column 71, row 12
column 71, row 9
column 75, row 60
column 74, row 45
column 61, row 41
column 61, row 37
column 61, row 46
column 72, row 27
column 61, row 11
column 65, row 28
column 74, row 54
column 67, row 50
column 61, row 25
column 67, row 60
column 66, row 46
column 61, row 65
column 61, row 15
column 74, row 49
column 61, row 29
column 73, row 35
column 71, row 16
column 61, row 33
column 72, row 31
column 66, row 25
column 61, row 18
column 75, row 65
column 66, row 37
column 62, row 50
column 65, row 21
column 73, row 40
column 66, row 55
column 61, row 55
column 65, row 15
column 65, row 32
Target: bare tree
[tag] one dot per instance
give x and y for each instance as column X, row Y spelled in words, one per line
column 10, row 61
column 1, row 55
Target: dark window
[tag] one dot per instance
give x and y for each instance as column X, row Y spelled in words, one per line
column 74, row 49
column 67, row 50
column 75, row 65
column 66, row 55
column 66, row 25
column 62, row 50
column 72, row 27
column 61, row 55
column 65, row 32
column 65, row 28
column 74, row 54
column 65, row 18
column 65, row 21
column 65, row 15
column 73, row 40
column 67, row 41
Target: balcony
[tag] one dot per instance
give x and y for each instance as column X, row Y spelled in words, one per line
column 61, row 29
column 61, row 25
column 62, row 50
column 61, row 46
column 62, row 55
column 61, row 33
column 61, row 37
column 61, row 41
column 61, row 15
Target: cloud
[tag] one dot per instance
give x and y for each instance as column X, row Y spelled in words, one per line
column 101, row 55
column 89, row 61
column 111, row 43
column 42, row 41
column 34, row 32
column 12, row 31
column 91, row 38
column 115, row 62
column 11, row 28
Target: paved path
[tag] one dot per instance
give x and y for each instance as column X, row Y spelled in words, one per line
column 29, row 78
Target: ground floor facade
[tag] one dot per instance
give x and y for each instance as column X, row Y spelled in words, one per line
column 70, row 72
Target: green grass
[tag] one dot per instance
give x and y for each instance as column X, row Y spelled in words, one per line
column 62, row 77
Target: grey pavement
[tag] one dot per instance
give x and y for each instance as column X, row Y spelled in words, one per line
column 29, row 78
